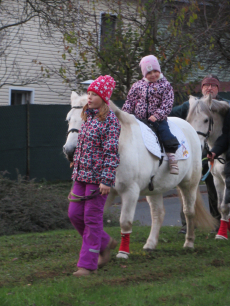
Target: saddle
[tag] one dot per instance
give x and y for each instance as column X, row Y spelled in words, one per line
column 150, row 124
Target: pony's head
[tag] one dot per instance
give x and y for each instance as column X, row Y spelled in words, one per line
column 74, row 121
column 206, row 116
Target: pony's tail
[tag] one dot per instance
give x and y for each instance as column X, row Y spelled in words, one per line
column 203, row 219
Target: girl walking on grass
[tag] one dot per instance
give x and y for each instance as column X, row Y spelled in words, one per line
column 95, row 161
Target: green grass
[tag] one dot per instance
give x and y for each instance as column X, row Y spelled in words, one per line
column 36, row 270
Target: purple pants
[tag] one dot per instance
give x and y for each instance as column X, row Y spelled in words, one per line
column 87, row 217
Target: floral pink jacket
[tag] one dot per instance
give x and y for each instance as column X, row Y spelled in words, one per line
column 96, row 156
column 159, row 96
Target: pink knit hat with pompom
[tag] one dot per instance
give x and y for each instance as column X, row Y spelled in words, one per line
column 103, row 87
column 149, row 63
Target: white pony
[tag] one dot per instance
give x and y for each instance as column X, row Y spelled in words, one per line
column 206, row 115
column 138, row 165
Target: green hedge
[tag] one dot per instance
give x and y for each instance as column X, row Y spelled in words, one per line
column 27, row 206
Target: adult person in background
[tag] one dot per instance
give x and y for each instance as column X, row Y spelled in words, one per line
column 222, row 145
column 209, row 85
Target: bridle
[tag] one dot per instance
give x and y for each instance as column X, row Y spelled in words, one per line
column 206, row 135
column 74, row 130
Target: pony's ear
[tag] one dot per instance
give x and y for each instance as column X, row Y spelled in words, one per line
column 209, row 101
column 192, row 99
column 74, row 95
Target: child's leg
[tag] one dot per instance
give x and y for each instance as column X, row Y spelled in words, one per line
column 76, row 209
column 94, row 238
column 170, row 143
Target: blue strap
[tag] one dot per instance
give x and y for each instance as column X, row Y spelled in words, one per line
column 206, row 174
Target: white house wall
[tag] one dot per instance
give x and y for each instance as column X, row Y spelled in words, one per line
column 28, row 48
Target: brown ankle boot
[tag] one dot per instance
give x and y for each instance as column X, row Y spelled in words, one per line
column 104, row 256
column 84, row 272
column 173, row 167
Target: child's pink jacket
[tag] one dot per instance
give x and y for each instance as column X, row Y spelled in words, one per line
column 159, row 95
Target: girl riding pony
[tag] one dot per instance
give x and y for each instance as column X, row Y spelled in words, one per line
column 152, row 98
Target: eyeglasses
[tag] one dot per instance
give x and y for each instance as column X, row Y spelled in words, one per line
column 212, row 85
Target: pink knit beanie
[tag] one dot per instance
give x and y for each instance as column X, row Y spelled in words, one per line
column 149, row 63
column 103, row 87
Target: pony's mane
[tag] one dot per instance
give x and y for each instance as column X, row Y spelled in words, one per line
column 123, row 117
column 207, row 106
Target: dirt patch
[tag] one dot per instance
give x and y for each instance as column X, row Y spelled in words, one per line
column 147, row 277
column 218, row 262
column 163, row 299
column 42, row 275
column 211, row 288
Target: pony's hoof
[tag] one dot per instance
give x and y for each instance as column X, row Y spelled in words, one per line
column 122, row 255
column 189, row 245
column 148, row 249
column 220, row 237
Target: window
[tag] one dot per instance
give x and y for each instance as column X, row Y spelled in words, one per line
column 21, row 95
column 108, row 26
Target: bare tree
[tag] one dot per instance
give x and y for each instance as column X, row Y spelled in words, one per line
column 215, row 44
column 189, row 38
column 17, row 17
column 114, row 42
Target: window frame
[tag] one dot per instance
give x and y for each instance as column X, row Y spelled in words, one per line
column 32, row 90
column 101, row 14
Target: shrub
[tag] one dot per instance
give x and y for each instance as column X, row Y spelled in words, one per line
column 27, row 206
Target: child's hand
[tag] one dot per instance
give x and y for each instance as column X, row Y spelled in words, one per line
column 104, row 189
column 71, row 165
column 152, row 118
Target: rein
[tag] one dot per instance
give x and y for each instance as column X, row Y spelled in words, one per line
column 210, row 168
column 78, row 198
column 220, row 159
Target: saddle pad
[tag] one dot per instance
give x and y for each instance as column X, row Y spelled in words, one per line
column 152, row 144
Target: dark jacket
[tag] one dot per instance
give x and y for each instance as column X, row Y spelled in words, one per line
column 181, row 111
column 221, row 145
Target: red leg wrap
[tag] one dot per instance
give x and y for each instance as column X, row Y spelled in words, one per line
column 223, row 230
column 124, row 247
